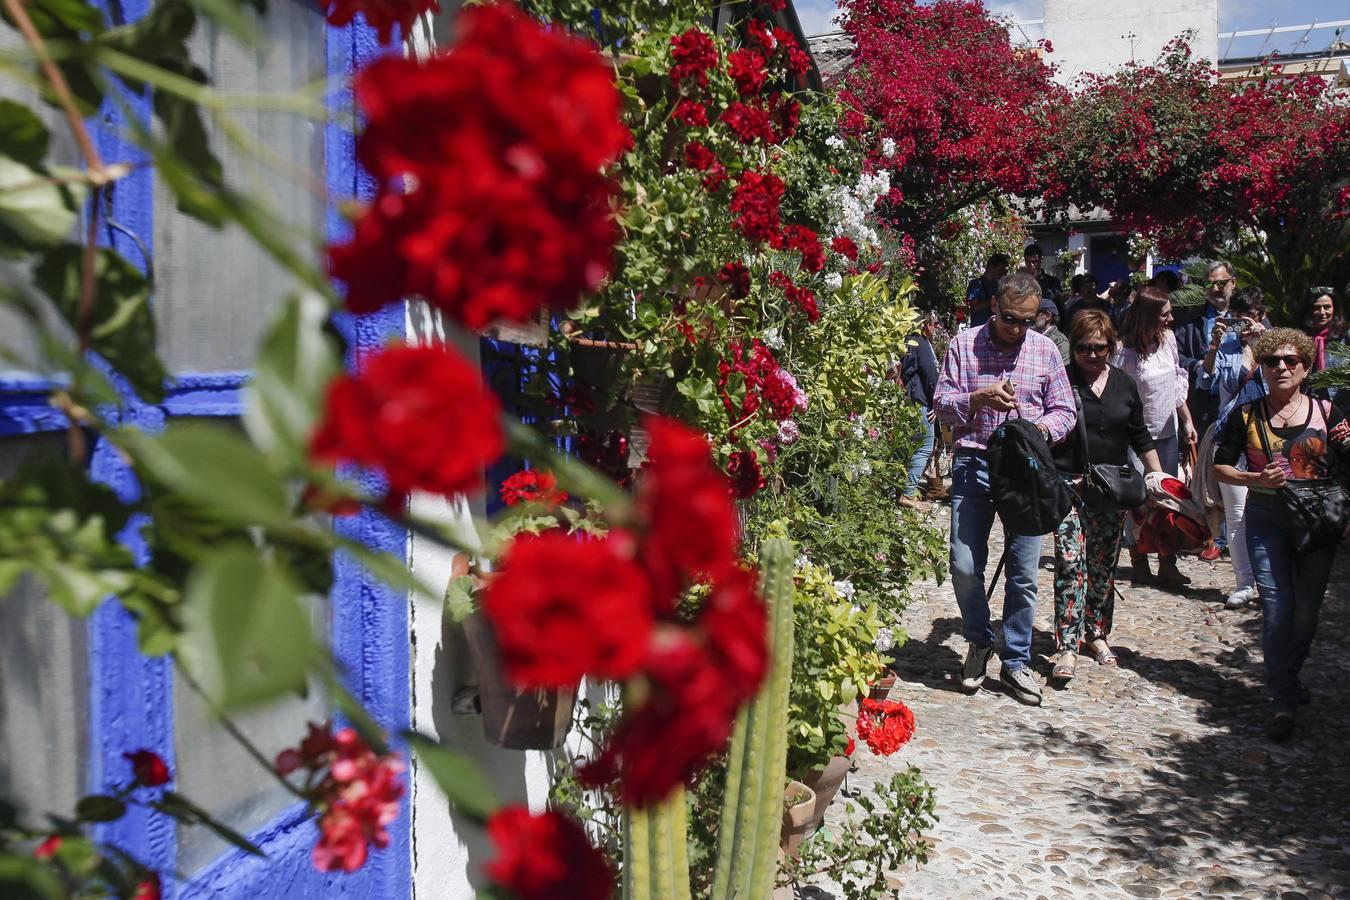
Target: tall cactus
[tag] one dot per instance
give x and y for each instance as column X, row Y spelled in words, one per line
column 656, row 862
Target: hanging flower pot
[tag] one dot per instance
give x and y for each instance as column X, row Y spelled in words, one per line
column 532, row 719
column 799, row 805
column 881, row 688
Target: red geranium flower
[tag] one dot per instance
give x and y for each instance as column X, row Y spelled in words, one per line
column 562, row 607
column 749, row 123
column 48, row 848
column 419, row 415
column 747, row 479
column 737, row 279
column 691, row 113
column 755, row 204
column 382, row 15
column 845, row 246
column 746, row 67
column 532, row 486
column 694, row 54
column 149, row 768
column 886, row 725
column 807, row 243
column 546, row 857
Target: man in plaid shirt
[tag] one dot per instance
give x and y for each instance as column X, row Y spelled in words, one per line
column 988, row 372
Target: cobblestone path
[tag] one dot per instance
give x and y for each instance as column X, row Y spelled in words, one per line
column 1150, row 780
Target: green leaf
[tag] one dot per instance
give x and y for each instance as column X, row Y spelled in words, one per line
column 72, row 15
column 23, row 137
column 461, row 779
column 22, row 878
column 100, row 808
column 36, row 212
column 459, row 602
column 121, row 328
column 184, row 810
column 213, row 465
column 299, row 357
column 246, row 635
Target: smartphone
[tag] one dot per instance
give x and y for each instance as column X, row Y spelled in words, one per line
column 1226, row 321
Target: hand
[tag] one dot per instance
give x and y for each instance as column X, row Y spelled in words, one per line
column 1341, row 433
column 932, row 417
column 1272, row 476
column 998, row 397
column 1216, row 336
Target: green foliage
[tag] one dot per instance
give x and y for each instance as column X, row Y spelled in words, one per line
column 461, row 779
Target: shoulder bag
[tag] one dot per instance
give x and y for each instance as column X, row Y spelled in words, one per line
column 1108, row 484
column 1317, row 511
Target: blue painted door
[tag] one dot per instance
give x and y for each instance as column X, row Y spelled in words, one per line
column 213, row 296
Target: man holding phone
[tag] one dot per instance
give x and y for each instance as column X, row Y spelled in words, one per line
column 987, row 373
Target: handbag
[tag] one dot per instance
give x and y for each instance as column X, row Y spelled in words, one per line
column 1317, row 510
column 1108, row 484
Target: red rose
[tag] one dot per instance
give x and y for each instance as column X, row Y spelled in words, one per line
column 149, row 768
column 382, row 15
column 420, row 415
column 546, row 857
column 692, row 530
column 532, row 486
column 886, row 725
column 562, row 607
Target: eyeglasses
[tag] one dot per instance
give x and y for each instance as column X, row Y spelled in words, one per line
column 1290, row 362
column 1091, row 349
column 1015, row 322
column 1219, row 282
column 1322, row 291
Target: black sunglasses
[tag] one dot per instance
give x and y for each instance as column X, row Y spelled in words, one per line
column 1219, row 282
column 1091, row 349
column 1013, row 321
column 1290, row 362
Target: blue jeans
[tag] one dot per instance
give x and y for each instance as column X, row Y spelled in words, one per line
column 972, row 519
column 1291, row 588
column 919, row 461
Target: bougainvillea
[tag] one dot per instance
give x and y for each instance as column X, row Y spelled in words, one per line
column 885, row 725
column 420, row 416
column 492, row 198
column 546, row 857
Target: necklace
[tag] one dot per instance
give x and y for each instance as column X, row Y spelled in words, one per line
column 1285, row 415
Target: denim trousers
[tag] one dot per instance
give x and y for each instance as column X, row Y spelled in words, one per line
column 1291, row 587
column 919, row 461
column 972, row 520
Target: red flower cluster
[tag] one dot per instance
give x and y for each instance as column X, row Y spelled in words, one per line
column 698, row 156
column 148, row 767
column 531, row 486
column 382, row 15
column 492, row 202
column 737, row 279
column 749, row 123
column 546, row 857
column 806, row 242
column 747, row 478
column 357, row 797
column 148, row 888
column 762, row 379
column 800, row 297
column 844, row 246
column 755, row 203
column 691, row 113
column 747, row 68
column 886, row 725
column 694, row 53
column 419, row 415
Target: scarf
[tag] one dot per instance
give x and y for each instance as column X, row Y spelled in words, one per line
column 1320, row 349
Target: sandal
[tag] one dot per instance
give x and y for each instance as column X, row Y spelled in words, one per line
column 1065, row 666
column 1103, row 654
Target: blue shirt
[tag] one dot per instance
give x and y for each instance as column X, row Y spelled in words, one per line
column 1226, row 378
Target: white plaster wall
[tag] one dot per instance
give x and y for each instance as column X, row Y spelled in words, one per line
column 1099, row 35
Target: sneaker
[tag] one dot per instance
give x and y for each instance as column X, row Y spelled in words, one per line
column 1022, row 685
column 1240, row 598
column 1210, row 554
column 1281, row 727
column 976, row 665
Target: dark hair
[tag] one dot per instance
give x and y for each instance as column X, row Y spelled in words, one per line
column 996, row 259
column 1016, row 286
column 1140, row 330
column 1032, row 250
column 1088, row 276
column 1090, row 322
column 1076, row 281
column 1166, row 279
column 1248, row 300
column 1337, row 324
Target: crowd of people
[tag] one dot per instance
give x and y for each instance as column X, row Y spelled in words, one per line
column 1219, row 401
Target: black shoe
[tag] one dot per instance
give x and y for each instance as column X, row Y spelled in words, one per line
column 1281, row 727
column 1301, row 690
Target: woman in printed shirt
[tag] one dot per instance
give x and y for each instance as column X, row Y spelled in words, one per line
column 1301, row 432
column 1148, row 354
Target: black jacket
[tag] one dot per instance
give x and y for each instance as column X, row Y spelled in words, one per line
column 918, row 370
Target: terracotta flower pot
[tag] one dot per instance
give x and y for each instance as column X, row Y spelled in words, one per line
column 535, row 719
column 881, row 688
column 799, row 807
column 825, row 783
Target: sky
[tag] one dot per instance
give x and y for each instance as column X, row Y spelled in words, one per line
column 1234, row 15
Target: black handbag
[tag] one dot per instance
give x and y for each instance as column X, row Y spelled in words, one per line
column 1316, row 511
column 1108, row 484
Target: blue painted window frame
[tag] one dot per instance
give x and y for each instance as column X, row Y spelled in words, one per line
column 131, row 696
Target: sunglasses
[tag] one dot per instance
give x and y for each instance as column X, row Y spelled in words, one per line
column 1290, row 362
column 1219, row 282
column 1091, row 349
column 1322, row 291
column 1015, row 322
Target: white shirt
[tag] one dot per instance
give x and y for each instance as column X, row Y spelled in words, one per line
column 1162, row 383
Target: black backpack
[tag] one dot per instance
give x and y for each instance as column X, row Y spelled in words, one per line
column 1029, row 494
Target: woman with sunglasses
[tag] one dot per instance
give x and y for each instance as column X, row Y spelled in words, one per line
column 1285, row 436
column 1087, row 542
column 1148, row 354
column 1321, row 319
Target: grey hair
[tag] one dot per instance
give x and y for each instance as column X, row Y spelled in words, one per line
column 1219, row 264
column 1018, row 285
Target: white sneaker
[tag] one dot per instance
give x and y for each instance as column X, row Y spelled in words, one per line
column 1240, row 598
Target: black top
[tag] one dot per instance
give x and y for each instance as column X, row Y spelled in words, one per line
column 1114, row 423
column 1303, row 448
column 918, row 369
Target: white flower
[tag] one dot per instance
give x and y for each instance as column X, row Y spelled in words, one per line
column 888, row 147
column 773, row 339
column 859, row 431
column 803, row 561
column 865, row 467
column 834, row 281
column 834, row 142
column 845, row 589
column 885, row 640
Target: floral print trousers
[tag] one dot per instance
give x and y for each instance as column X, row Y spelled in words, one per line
column 1087, row 547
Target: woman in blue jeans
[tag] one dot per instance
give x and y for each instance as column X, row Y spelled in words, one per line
column 1286, row 436
column 918, row 373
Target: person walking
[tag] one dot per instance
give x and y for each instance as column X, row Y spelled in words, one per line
column 1228, row 366
column 986, row 374
column 1087, row 543
column 1046, row 321
column 1148, row 354
column 1193, row 338
column 918, row 373
column 1286, row 437
column 981, row 290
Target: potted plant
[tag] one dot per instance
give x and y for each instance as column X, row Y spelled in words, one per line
column 799, row 803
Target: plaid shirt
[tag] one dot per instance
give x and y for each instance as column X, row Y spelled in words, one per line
column 973, row 362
